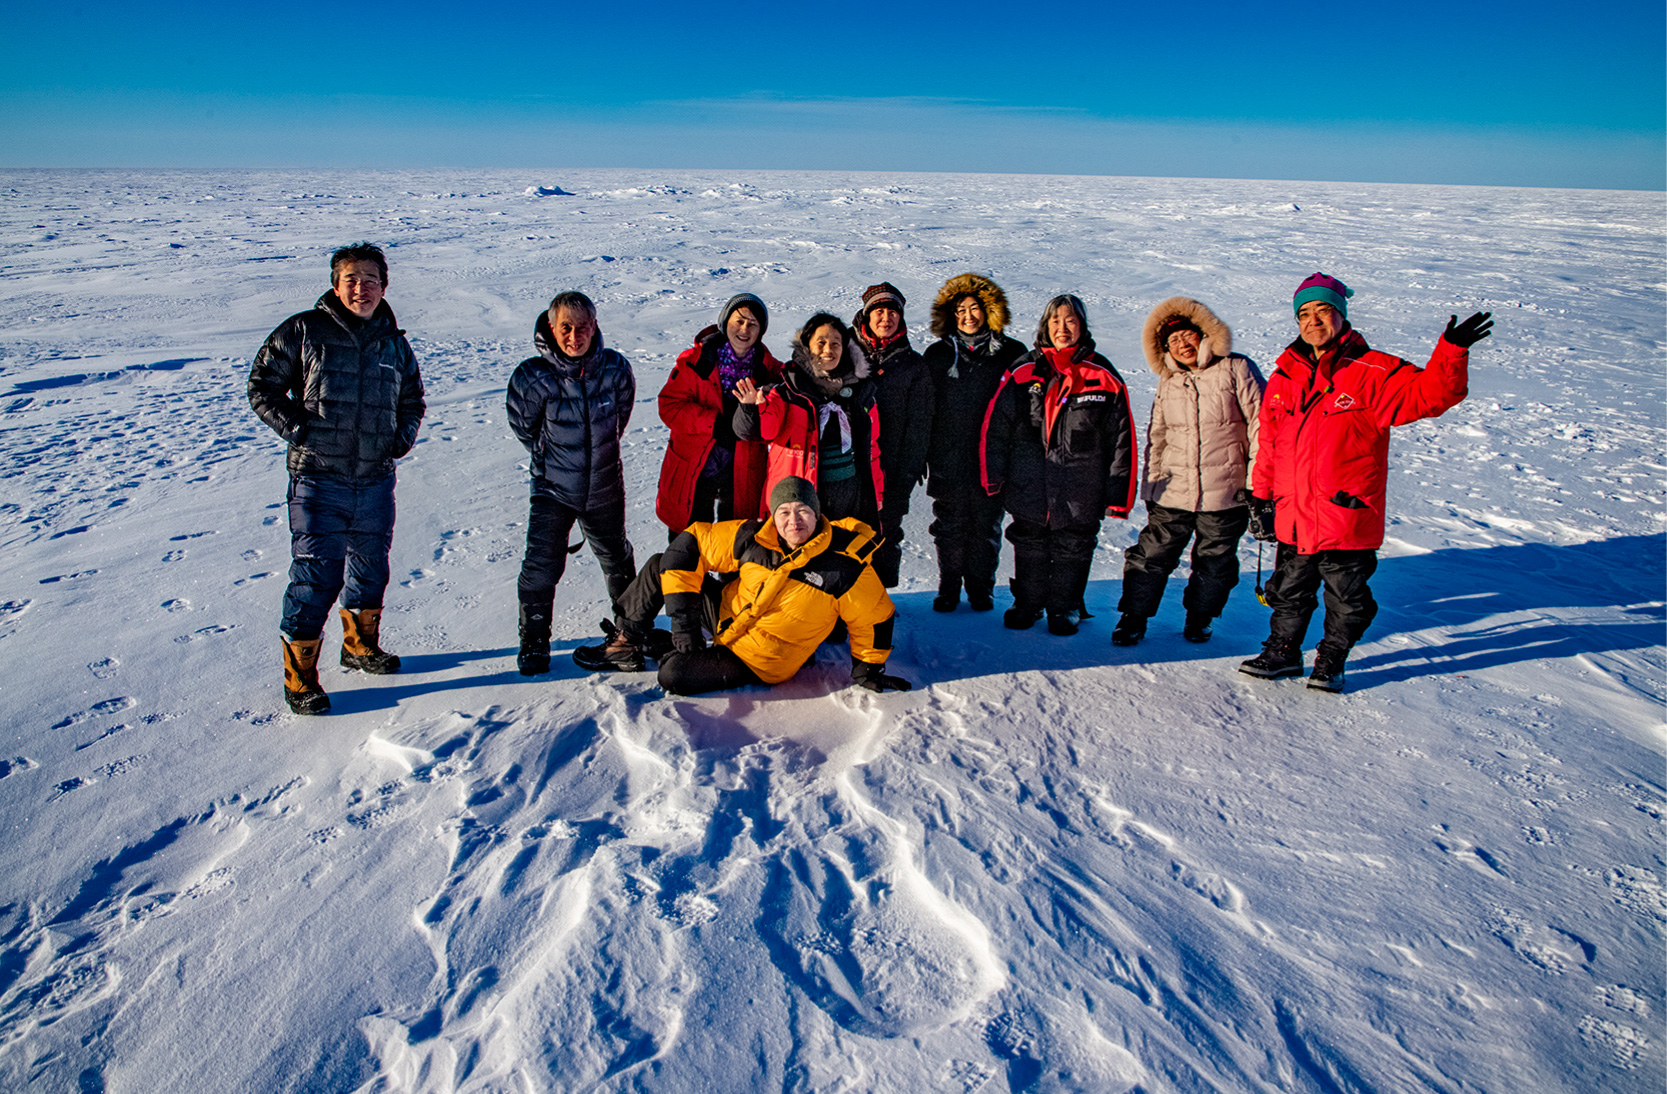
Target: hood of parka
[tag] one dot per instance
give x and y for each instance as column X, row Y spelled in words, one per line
column 1217, row 341
column 544, row 341
column 989, row 294
column 852, row 367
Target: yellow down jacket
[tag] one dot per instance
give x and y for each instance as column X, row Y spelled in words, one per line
column 783, row 603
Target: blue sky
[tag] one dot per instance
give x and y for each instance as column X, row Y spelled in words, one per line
column 1526, row 93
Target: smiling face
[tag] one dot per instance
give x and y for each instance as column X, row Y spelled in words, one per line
column 1319, row 323
column 743, row 331
column 884, row 322
column 359, row 286
column 574, row 331
column 969, row 315
column 1064, row 328
column 825, row 347
column 1183, row 347
column 795, row 523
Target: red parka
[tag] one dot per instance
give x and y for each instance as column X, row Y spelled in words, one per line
column 699, row 414
column 1323, row 452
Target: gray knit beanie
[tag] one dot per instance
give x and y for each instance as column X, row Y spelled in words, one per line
column 793, row 488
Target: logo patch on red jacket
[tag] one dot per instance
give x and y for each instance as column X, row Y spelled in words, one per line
column 1343, row 401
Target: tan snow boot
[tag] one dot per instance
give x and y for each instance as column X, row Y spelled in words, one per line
column 301, row 690
column 359, row 649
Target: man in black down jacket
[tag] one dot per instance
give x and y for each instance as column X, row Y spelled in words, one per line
column 570, row 406
column 341, row 385
column 903, row 393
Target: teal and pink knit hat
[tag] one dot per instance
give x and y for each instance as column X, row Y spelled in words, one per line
column 1327, row 290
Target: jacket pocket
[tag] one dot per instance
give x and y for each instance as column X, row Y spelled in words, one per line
column 1348, row 501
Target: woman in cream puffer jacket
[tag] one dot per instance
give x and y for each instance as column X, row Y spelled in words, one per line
column 1199, row 448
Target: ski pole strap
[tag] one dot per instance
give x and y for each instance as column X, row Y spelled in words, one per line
column 1260, row 595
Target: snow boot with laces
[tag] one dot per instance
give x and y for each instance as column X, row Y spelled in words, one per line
column 622, row 652
column 1280, row 657
column 1328, row 668
column 359, row 649
column 301, row 689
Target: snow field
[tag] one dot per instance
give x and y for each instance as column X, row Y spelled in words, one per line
column 1054, row 866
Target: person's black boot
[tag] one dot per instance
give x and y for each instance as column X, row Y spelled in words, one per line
column 1328, row 668
column 981, row 595
column 534, row 657
column 1280, row 657
column 1129, row 630
column 949, row 594
column 1197, row 628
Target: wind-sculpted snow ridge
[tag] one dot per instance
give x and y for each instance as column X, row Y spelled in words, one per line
column 1053, row 866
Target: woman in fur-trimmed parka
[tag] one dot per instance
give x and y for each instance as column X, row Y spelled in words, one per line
column 966, row 364
column 821, row 421
column 1199, row 448
column 1059, row 448
column 707, row 473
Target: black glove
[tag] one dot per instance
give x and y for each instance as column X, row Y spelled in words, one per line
column 1261, row 520
column 684, row 642
column 1472, row 330
column 874, row 678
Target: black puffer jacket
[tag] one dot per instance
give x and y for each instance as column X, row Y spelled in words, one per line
column 570, row 414
column 964, row 380
column 1059, row 446
column 344, row 392
column 903, row 392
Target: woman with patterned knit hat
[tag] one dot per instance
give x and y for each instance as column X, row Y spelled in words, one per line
column 903, row 392
column 1197, row 468
column 1059, row 448
column 966, row 364
column 707, row 474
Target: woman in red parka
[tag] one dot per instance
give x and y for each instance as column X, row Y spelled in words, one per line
column 1322, row 470
column 708, row 474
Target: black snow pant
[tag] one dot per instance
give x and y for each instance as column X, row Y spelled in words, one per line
column 888, row 560
column 340, row 531
column 1215, row 559
column 549, row 523
column 1050, row 565
column 966, row 528
column 1293, row 589
column 714, row 668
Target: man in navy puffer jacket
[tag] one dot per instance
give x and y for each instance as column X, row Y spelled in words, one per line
column 341, row 385
column 570, row 406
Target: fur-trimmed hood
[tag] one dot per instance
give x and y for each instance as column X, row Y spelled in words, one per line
column 989, row 294
column 1216, row 343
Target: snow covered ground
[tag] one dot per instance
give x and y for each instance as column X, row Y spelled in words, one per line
column 1053, row 866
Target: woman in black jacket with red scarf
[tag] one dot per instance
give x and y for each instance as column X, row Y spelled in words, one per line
column 1059, row 447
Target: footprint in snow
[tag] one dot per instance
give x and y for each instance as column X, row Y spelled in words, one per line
column 857, row 926
column 1052, row 1050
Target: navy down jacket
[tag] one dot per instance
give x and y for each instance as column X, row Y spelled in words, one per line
column 570, row 415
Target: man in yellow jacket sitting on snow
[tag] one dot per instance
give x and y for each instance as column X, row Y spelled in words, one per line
column 797, row 576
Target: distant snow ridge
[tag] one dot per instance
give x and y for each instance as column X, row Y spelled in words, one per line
column 547, row 192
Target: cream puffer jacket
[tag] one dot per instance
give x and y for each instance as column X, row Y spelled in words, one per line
column 1202, row 437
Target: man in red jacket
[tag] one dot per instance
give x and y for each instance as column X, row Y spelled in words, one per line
column 1322, row 470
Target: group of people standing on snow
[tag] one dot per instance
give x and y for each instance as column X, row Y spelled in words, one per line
column 784, row 485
